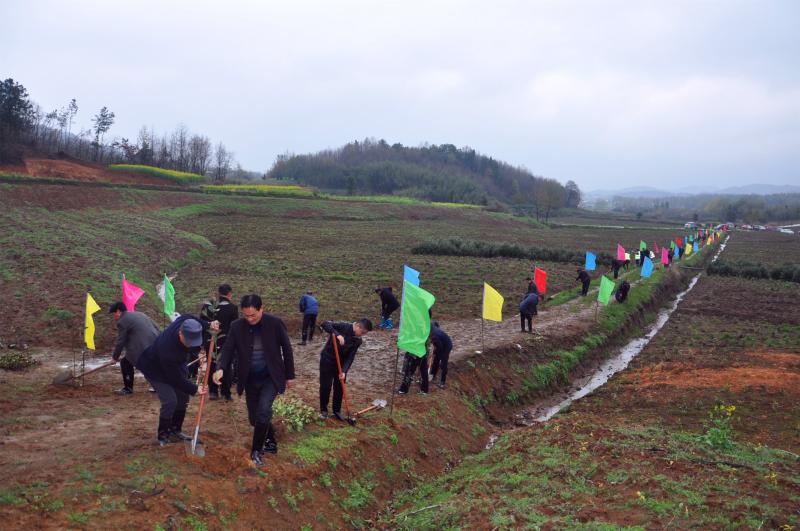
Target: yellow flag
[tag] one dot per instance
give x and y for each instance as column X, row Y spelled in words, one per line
column 492, row 304
column 91, row 308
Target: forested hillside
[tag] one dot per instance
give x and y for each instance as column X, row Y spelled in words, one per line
column 435, row 172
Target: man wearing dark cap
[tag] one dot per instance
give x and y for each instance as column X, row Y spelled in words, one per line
column 164, row 365
column 261, row 345
column 388, row 306
column 135, row 332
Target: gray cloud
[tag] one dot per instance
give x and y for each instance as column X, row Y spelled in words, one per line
column 604, row 93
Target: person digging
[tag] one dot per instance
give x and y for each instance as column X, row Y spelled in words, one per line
column 442, row 346
column 135, row 332
column 527, row 309
column 348, row 335
column 389, row 305
column 164, row 364
column 260, row 344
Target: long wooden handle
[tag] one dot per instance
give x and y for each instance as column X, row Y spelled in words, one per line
column 211, row 347
column 103, row 366
column 339, row 365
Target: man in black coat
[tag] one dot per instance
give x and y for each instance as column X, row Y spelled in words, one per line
column 586, row 281
column 527, row 309
column 348, row 335
column 226, row 312
column 164, row 365
column 622, row 291
column 442, row 345
column 388, row 306
column 135, row 332
column 260, row 343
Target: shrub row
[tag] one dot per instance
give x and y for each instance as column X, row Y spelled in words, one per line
column 459, row 247
column 788, row 272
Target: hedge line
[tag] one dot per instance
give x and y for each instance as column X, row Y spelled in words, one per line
column 459, row 247
column 788, row 272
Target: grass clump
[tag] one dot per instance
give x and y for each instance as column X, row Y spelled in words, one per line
column 294, row 412
column 16, row 361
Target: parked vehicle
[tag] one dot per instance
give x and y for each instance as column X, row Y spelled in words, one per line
column 786, row 231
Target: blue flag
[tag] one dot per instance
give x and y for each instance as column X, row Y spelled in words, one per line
column 410, row 275
column 591, row 261
column 695, row 247
column 676, row 252
column 647, row 268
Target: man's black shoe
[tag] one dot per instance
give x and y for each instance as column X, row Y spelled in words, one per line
column 270, row 447
column 124, row 391
column 323, row 415
column 255, row 456
column 213, row 395
column 401, row 391
column 227, row 398
column 338, row 416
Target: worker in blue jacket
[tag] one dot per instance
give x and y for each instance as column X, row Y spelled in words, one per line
column 164, row 365
column 309, row 307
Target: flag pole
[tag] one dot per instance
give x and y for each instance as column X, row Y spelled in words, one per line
column 596, row 306
column 483, row 343
column 483, row 309
column 394, row 382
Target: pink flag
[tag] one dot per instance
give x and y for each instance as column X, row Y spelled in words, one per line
column 655, row 247
column 130, row 294
column 620, row 252
column 664, row 256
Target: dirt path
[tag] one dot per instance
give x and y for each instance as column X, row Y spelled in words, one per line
column 371, row 374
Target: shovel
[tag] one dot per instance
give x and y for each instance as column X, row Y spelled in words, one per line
column 192, row 447
column 349, row 418
column 66, row 376
column 378, row 403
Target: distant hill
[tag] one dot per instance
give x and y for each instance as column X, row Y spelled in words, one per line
column 433, row 172
column 651, row 192
column 761, row 189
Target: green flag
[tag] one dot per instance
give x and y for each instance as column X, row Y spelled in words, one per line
column 642, row 245
column 169, row 297
column 606, row 287
column 415, row 321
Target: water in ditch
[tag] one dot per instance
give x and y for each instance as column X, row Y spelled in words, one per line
column 618, row 362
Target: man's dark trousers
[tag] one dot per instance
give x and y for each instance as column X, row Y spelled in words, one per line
column 329, row 378
column 309, row 320
column 411, row 367
column 260, row 393
column 126, row 367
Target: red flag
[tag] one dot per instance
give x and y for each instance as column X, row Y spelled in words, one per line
column 130, row 294
column 655, row 247
column 540, row 278
column 620, row 252
column 679, row 242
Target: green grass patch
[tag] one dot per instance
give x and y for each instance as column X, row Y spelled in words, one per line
column 315, row 446
column 180, row 177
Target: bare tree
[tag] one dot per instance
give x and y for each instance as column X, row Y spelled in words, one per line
column 199, row 154
column 222, row 163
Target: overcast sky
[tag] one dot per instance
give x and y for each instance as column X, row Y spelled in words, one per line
column 608, row 94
